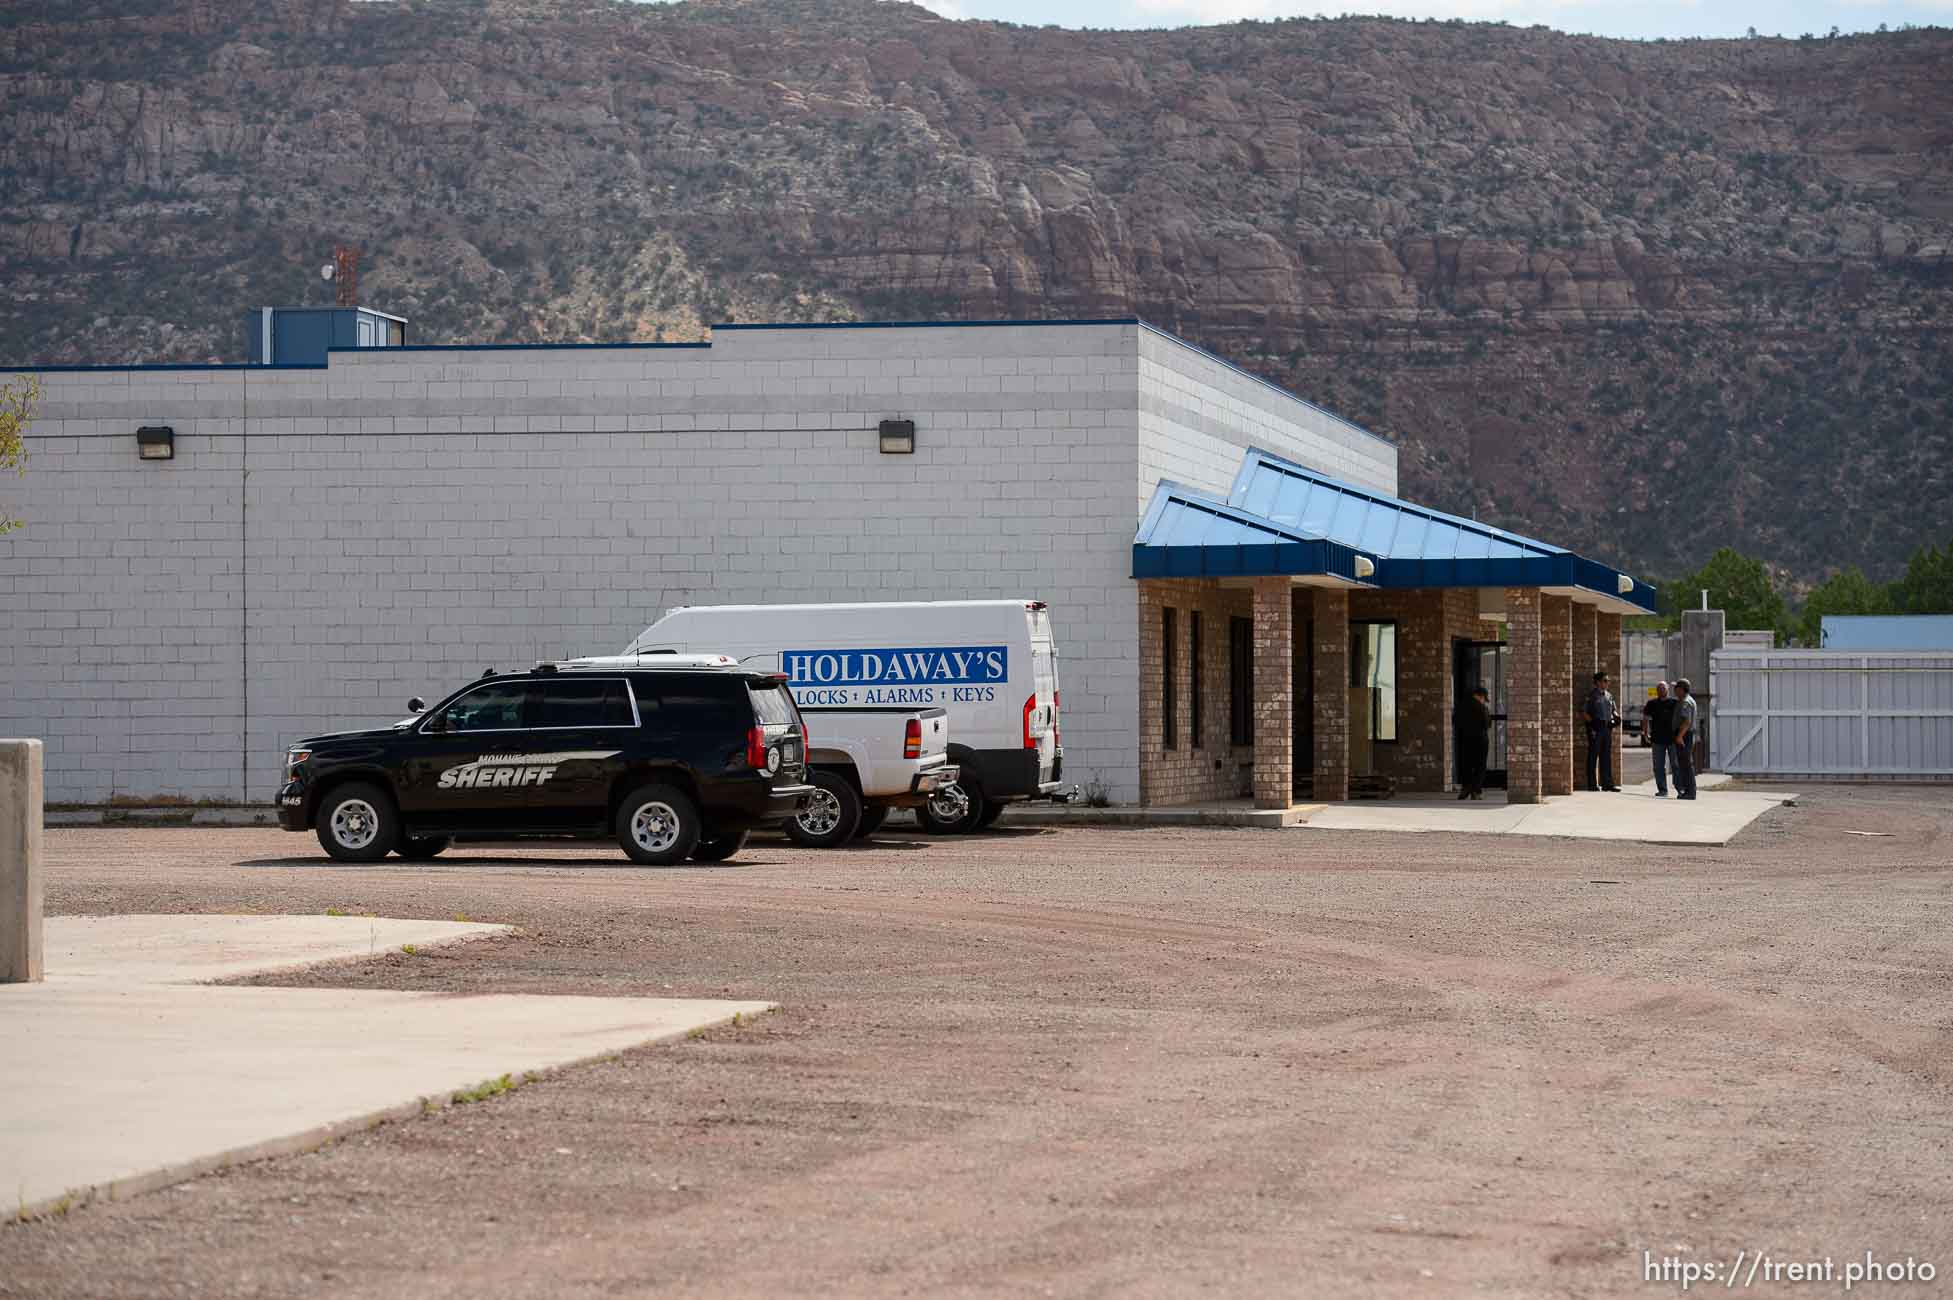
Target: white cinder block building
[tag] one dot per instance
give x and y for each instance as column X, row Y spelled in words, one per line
column 331, row 537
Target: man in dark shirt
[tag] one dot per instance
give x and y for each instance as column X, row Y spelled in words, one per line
column 1601, row 721
column 1471, row 731
column 1658, row 733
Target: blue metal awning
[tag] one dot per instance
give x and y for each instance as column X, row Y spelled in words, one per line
column 1278, row 513
column 1187, row 534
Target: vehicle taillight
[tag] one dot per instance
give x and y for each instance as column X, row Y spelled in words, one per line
column 912, row 740
column 756, row 748
column 1030, row 707
column 1057, row 723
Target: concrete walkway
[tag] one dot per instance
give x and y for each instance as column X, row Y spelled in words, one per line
column 1634, row 814
column 121, row 1074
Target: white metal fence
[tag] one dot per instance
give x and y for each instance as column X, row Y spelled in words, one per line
column 1832, row 713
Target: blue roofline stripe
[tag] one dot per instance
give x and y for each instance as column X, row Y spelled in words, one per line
column 926, row 324
column 520, row 347
column 589, row 347
column 161, row 365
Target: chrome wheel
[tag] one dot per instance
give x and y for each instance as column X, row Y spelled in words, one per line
column 655, row 826
column 355, row 824
column 949, row 804
column 822, row 813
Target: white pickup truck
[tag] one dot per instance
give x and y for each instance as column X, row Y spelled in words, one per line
column 863, row 762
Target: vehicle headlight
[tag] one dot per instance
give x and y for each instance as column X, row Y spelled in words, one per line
column 294, row 757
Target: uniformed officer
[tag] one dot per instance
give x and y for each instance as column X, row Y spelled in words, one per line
column 1601, row 721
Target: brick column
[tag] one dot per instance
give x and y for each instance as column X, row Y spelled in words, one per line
column 1607, row 636
column 1331, row 685
column 1274, row 694
column 1522, row 706
column 1584, row 666
column 1151, row 715
column 1556, row 656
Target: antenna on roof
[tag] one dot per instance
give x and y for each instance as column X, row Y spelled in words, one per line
column 344, row 271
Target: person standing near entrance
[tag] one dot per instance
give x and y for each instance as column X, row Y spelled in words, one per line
column 1658, row 733
column 1601, row 721
column 1685, row 716
column 1471, row 731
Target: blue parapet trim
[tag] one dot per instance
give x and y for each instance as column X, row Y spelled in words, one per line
column 144, row 369
column 923, row 324
column 523, row 347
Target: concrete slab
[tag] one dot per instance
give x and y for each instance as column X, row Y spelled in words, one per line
column 123, row 1073
column 112, row 1091
column 193, row 949
column 1634, row 814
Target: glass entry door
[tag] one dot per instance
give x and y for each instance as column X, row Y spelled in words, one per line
column 1482, row 663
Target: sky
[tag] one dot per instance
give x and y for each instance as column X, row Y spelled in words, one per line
column 1647, row 19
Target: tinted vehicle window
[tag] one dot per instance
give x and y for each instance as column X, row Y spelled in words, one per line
column 570, row 703
column 489, row 708
column 772, row 704
column 693, row 705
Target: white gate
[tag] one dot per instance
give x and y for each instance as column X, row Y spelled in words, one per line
column 1832, row 713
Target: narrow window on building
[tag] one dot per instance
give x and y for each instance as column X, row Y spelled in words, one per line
column 1373, row 666
column 1193, row 680
column 1169, row 698
column 1240, row 681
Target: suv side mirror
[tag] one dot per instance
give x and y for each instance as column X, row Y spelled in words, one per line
column 417, row 705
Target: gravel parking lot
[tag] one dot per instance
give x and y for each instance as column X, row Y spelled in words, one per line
column 1112, row 1062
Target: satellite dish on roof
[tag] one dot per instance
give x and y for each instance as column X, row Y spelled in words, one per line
column 325, row 272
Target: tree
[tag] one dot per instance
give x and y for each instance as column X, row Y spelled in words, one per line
column 1849, row 592
column 17, row 398
column 1927, row 587
column 1737, row 585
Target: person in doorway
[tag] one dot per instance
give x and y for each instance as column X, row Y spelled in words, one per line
column 1658, row 733
column 1601, row 721
column 1684, row 759
column 1471, row 730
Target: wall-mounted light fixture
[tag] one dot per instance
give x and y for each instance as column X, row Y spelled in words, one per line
column 1365, row 566
column 156, row 442
column 898, row 437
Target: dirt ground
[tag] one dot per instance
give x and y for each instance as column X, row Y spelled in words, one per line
column 1114, row 1062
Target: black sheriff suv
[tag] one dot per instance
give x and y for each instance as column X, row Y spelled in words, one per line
column 678, row 756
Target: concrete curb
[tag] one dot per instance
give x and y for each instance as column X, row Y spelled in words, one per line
column 122, row 1189
column 1255, row 818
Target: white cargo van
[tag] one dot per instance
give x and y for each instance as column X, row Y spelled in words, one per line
column 993, row 664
